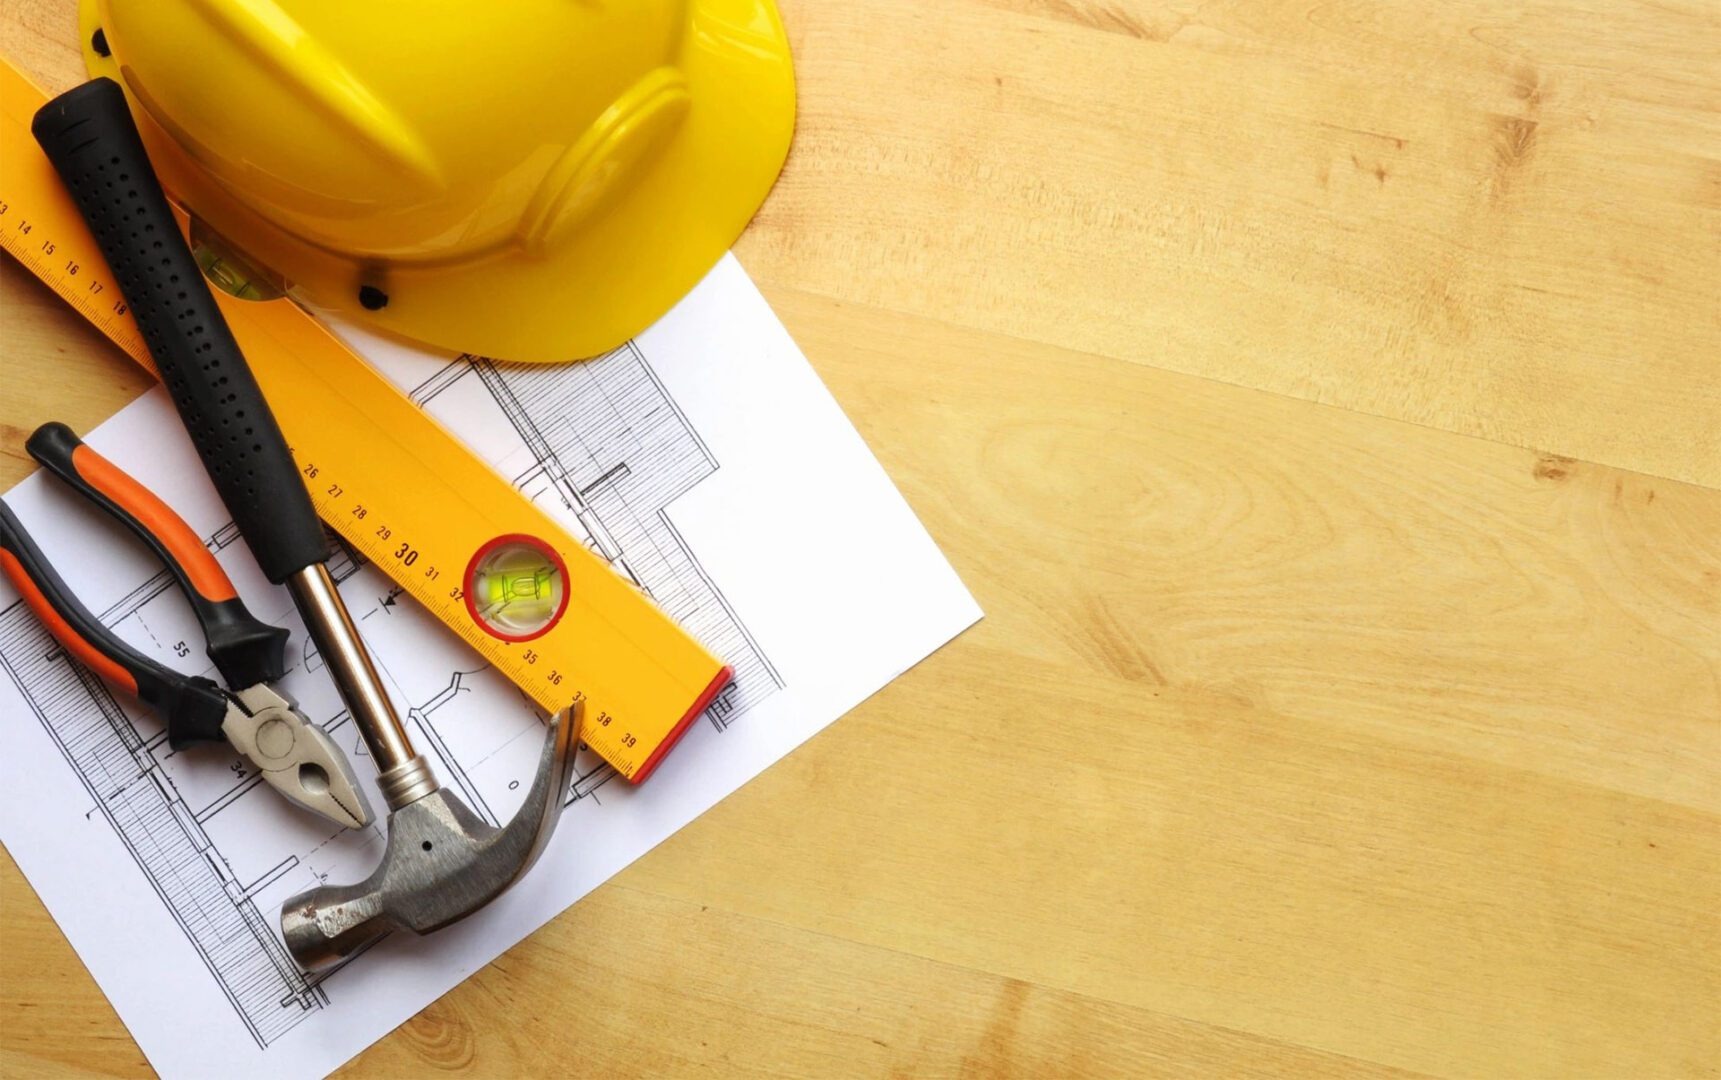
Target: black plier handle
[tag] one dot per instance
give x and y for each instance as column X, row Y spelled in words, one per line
column 193, row 707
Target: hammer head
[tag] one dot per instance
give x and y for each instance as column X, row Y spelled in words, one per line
column 441, row 863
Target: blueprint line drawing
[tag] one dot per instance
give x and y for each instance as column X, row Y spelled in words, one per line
column 136, row 784
column 604, row 441
column 128, row 780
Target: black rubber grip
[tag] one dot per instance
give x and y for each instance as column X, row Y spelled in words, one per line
column 245, row 649
column 89, row 135
column 193, row 707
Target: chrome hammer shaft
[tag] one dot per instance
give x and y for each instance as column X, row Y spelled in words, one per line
column 402, row 774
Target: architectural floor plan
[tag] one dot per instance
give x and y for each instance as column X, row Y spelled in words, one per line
column 605, row 441
column 634, row 452
column 130, row 782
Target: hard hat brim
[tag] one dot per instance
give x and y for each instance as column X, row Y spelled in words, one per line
column 597, row 285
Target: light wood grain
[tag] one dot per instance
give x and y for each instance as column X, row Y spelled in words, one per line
column 1355, row 703
column 1491, row 219
column 1319, row 399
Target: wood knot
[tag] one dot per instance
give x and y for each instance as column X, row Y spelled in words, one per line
column 443, row 1041
column 1553, row 468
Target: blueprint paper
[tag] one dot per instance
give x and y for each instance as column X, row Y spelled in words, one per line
column 705, row 460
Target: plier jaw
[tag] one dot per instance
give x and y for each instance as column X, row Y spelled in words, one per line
column 293, row 755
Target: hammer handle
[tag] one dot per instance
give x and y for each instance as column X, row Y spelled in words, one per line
column 89, row 135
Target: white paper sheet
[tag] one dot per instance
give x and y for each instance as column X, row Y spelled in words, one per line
column 706, row 460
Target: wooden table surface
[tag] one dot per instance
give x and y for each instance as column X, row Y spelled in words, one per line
column 1322, row 401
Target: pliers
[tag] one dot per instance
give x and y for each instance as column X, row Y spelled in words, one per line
column 294, row 756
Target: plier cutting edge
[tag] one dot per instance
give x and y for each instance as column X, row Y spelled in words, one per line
column 294, row 756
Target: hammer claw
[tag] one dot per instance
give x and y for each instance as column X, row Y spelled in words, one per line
column 441, row 863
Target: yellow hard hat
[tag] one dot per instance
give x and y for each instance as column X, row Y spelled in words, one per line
column 524, row 179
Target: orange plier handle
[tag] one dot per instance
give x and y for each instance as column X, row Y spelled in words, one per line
column 246, row 650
